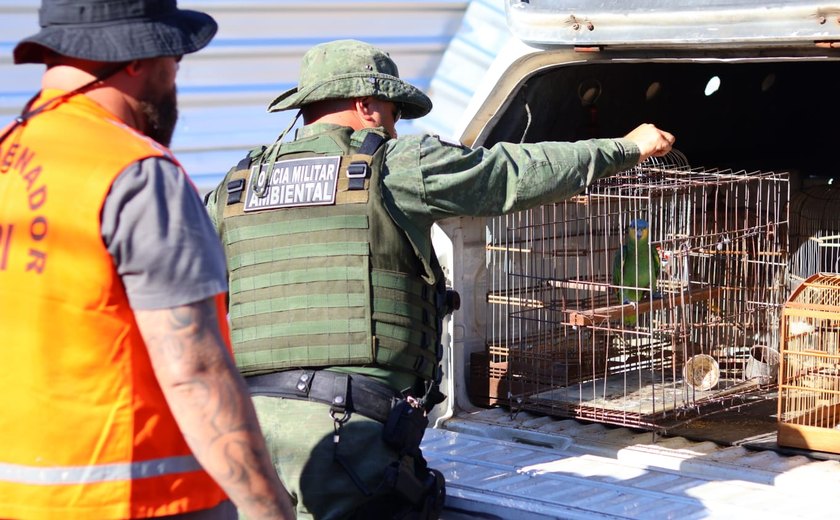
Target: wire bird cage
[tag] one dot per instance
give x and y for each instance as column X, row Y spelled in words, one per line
column 814, row 233
column 809, row 389
column 570, row 336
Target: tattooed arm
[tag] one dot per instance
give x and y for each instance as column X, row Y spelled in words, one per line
column 212, row 406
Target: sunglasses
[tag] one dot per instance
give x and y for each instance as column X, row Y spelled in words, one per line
column 397, row 112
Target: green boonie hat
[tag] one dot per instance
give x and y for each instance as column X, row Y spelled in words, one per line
column 346, row 69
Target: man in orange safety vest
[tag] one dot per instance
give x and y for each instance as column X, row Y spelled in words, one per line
column 118, row 394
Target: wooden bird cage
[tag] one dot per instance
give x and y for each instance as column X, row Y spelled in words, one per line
column 809, row 389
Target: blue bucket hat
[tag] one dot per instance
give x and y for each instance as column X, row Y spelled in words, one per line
column 116, row 30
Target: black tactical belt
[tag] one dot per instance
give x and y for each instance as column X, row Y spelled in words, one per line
column 342, row 392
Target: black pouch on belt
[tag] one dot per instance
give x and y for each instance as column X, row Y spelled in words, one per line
column 405, row 427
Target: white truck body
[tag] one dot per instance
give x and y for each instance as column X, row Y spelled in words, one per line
column 515, row 464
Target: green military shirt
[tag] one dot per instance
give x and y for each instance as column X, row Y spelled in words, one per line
column 427, row 179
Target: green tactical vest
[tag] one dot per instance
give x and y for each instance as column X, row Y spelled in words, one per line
column 320, row 273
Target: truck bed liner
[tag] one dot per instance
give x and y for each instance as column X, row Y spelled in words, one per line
column 529, row 467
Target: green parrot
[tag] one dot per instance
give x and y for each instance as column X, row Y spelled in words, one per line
column 636, row 264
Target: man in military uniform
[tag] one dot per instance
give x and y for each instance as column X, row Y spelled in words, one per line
column 336, row 295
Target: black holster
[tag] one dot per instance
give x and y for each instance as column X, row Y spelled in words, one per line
column 405, row 427
column 423, row 489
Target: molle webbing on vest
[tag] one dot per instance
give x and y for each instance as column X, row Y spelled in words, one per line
column 298, row 293
column 327, row 285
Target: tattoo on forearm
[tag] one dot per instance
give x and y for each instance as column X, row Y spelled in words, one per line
column 209, row 400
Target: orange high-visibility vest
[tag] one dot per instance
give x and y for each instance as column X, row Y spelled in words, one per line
column 84, row 428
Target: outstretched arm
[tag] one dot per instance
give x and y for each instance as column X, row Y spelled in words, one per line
column 212, row 406
column 460, row 181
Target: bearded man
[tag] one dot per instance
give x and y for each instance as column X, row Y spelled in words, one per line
column 118, row 392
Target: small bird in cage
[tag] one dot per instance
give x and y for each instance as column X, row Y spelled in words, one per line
column 637, row 265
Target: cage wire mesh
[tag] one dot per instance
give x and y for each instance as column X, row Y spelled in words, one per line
column 814, row 233
column 640, row 299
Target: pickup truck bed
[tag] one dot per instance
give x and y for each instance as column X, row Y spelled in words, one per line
column 528, row 467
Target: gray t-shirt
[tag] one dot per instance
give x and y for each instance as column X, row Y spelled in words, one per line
column 164, row 246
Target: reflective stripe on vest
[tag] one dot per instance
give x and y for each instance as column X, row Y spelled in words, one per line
column 101, row 473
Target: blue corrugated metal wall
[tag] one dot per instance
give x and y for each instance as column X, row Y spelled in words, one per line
column 471, row 51
column 225, row 88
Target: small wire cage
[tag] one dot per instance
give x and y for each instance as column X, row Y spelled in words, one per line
column 809, row 389
column 581, row 326
column 814, row 233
